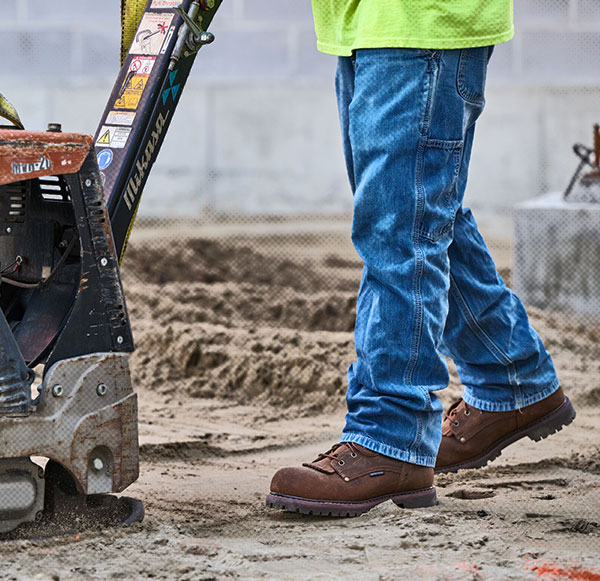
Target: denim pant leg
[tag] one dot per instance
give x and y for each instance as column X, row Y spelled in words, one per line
column 344, row 90
column 428, row 281
column 500, row 358
column 403, row 160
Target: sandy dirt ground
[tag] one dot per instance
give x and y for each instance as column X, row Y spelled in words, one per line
column 242, row 348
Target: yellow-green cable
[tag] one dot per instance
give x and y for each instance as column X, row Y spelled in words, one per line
column 8, row 112
column 131, row 14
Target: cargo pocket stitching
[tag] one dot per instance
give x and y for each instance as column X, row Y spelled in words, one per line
column 457, row 148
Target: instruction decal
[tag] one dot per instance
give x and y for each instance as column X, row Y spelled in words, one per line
column 135, row 82
column 115, row 137
column 120, row 118
column 151, row 33
column 104, row 158
column 131, row 91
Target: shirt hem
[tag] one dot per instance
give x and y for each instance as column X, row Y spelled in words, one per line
column 432, row 44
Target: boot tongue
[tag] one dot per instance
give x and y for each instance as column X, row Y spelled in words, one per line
column 324, row 464
column 453, row 411
column 455, row 406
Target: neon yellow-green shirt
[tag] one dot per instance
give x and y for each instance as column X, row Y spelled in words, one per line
column 345, row 25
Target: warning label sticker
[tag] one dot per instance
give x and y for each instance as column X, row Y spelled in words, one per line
column 165, row 3
column 151, row 33
column 142, row 65
column 131, row 91
column 120, row 118
column 104, row 158
column 115, row 137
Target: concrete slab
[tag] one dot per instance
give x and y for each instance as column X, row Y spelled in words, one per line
column 557, row 255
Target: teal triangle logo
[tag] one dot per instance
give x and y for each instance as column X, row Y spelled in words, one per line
column 173, row 89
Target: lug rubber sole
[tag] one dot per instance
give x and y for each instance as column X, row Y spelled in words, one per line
column 413, row 499
column 541, row 428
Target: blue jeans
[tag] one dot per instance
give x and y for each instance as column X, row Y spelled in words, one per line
column 429, row 285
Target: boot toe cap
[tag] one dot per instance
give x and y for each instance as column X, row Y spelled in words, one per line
column 287, row 481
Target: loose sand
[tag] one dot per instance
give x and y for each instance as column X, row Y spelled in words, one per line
column 242, row 350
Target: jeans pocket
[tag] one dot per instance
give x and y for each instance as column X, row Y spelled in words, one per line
column 472, row 73
column 436, row 183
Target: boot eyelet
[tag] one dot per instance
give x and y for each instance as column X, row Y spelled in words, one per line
column 353, row 455
column 456, row 424
column 341, row 462
column 467, row 413
column 463, row 440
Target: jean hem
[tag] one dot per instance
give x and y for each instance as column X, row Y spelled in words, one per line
column 396, row 453
column 507, row 406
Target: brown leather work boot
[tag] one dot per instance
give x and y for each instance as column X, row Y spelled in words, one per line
column 349, row 480
column 471, row 437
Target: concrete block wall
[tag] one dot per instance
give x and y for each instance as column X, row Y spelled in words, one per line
column 256, row 131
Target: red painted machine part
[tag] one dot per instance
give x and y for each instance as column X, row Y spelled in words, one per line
column 32, row 154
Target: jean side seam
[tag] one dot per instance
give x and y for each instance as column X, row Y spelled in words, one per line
column 430, row 88
column 419, row 268
column 412, row 449
column 476, row 327
column 513, row 379
column 346, row 131
column 417, row 226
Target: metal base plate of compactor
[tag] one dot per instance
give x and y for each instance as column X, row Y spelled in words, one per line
column 44, row 503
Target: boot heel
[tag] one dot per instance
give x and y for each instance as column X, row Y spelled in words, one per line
column 553, row 422
column 417, row 499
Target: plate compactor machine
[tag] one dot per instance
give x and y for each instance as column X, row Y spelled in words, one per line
column 67, row 204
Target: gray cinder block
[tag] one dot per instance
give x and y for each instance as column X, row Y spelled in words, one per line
column 557, row 255
column 539, row 11
column 567, row 54
column 69, row 11
column 278, row 10
column 243, row 53
column 588, row 11
column 35, row 53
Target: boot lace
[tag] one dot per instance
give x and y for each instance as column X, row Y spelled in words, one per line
column 333, row 452
column 454, row 410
